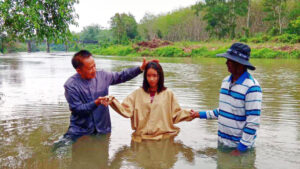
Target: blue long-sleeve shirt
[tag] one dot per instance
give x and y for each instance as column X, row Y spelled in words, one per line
column 86, row 117
column 238, row 113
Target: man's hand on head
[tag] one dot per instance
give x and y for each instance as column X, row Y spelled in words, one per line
column 145, row 62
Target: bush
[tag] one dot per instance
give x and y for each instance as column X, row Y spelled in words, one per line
column 218, row 51
column 260, row 38
column 200, row 52
column 273, row 31
column 287, row 38
column 295, row 54
column 146, row 52
column 115, row 51
column 204, row 52
column 268, row 53
column 243, row 39
column 256, row 40
column 169, row 51
column 294, row 26
column 13, row 46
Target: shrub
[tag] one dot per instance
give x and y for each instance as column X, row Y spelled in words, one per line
column 169, row 51
column 243, row 39
column 199, row 52
column 295, row 54
column 268, row 53
column 273, row 31
column 294, row 26
column 146, row 52
column 204, row 52
column 218, row 51
column 260, row 38
column 113, row 50
column 287, row 38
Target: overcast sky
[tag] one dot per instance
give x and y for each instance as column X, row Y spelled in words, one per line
column 100, row 11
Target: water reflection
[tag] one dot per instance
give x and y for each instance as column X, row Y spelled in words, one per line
column 10, row 71
column 244, row 161
column 161, row 154
column 225, row 160
column 91, row 152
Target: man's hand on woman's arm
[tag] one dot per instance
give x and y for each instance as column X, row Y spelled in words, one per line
column 102, row 100
column 194, row 114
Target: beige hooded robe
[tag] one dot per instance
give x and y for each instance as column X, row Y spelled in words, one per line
column 151, row 121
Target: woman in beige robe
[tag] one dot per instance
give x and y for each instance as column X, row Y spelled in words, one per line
column 153, row 109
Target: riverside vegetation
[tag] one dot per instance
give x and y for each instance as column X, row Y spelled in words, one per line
column 270, row 27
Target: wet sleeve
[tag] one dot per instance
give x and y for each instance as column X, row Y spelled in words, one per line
column 75, row 103
column 123, row 76
column 179, row 114
column 125, row 108
column 253, row 101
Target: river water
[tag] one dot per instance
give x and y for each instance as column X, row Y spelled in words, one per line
column 34, row 114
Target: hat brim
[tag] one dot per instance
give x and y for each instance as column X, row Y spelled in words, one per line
column 237, row 59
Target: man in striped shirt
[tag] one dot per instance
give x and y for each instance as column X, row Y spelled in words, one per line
column 239, row 103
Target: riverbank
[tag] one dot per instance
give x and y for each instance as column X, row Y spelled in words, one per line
column 198, row 49
column 160, row 48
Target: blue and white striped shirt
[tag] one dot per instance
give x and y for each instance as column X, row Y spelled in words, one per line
column 238, row 113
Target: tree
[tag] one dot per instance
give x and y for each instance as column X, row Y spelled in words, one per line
column 105, row 37
column 275, row 10
column 95, row 33
column 145, row 28
column 40, row 19
column 90, row 33
column 2, row 41
column 124, row 27
column 294, row 9
column 294, row 26
column 221, row 15
column 248, row 15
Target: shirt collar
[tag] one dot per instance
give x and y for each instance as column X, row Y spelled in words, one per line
column 241, row 78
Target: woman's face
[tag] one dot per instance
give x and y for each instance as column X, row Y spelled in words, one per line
column 152, row 77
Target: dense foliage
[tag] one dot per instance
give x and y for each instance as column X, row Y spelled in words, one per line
column 250, row 21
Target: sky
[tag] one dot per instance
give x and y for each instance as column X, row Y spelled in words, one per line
column 100, row 11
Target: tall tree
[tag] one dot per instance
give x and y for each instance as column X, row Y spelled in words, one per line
column 40, row 19
column 221, row 15
column 90, row 33
column 123, row 27
column 275, row 10
column 249, row 13
column 294, row 9
column 96, row 33
column 146, row 26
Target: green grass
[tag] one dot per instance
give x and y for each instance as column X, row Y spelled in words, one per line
column 169, row 51
column 270, row 49
column 201, row 50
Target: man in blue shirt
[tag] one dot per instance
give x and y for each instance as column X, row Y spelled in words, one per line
column 240, row 100
column 84, row 92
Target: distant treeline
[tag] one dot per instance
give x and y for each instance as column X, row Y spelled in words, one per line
column 253, row 21
column 246, row 20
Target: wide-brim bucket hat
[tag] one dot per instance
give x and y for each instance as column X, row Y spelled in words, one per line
column 240, row 53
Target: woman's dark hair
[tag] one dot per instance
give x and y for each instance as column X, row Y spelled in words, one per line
column 78, row 57
column 160, row 85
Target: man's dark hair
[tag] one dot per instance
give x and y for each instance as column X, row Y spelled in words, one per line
column 78, row 57
column 160, row 85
